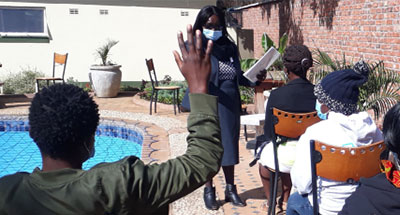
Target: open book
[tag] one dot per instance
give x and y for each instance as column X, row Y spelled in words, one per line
column 263, row 63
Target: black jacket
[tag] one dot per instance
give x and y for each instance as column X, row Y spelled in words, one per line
column 297, row 96
column 375, row 195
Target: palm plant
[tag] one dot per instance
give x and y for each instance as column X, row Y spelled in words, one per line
column 267, row 43
column 380, row 92
column 103, row 52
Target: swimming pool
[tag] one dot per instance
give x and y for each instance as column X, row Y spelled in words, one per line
column 114, row 140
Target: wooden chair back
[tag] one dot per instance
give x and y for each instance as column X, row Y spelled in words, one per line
column 343, row 164
column 59, row 60
column 152, row 72
column 286, row 125
column 293, row 125
column 348, row 164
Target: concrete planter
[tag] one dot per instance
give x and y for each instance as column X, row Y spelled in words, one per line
column 105, row 80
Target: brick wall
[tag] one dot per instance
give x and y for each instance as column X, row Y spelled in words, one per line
column 368, row 29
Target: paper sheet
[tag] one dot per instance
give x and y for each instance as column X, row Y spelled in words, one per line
column 263, row 63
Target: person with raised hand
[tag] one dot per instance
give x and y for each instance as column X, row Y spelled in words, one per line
column 127, row 186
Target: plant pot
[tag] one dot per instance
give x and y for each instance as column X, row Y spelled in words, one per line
column 105, row 80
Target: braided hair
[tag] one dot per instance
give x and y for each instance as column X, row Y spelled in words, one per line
column 297, row 59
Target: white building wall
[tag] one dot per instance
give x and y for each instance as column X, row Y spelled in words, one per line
column 142, row 32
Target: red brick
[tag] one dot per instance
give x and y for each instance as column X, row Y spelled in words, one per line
column 358, row 28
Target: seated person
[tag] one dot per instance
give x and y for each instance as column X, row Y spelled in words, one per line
column 342, row 125
column 296, row 96
column 381, row 193
column 63, row 120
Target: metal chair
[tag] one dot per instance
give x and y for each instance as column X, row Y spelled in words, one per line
column 59, row 60
column 287, row 126
column 343, row 164
column 156, row 88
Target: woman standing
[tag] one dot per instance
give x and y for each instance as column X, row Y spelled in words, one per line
column 226, row 76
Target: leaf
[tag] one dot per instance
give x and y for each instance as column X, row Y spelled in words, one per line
column 283, row 43
column 103, row 52
column 266, row 42
column 245, row 64
column 324, row 60
column 380, row 93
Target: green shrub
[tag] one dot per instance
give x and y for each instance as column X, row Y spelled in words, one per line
column 73, row 81
column 246, row 95
column 128, row 88
column 22, row 82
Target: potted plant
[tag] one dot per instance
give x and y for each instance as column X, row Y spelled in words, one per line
column 106, row 77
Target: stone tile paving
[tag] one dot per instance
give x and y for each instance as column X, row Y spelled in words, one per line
column 168, row 136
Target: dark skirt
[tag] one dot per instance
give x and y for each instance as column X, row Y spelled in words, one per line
column 229, row 117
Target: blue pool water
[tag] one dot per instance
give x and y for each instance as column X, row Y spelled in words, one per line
column 18, row 152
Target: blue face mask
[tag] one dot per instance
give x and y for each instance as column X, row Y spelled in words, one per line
column 321, row 115
column 90, row 152
column 212, row 35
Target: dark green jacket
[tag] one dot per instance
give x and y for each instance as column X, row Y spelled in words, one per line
column 124, row 187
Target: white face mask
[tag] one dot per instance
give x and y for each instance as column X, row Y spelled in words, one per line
column 212, row 35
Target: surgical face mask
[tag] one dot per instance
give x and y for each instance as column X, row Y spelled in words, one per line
column 90, row 152
column 211, row 34
column 321, row 115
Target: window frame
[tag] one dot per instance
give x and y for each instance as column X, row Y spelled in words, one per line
column 44, row 34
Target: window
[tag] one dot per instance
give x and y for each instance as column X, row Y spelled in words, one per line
column 73, row 11
column 23, row 22
column 103, row 12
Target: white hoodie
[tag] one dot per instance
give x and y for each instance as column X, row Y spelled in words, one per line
column 339, row 130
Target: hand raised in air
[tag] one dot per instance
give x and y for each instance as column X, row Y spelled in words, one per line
column 194, row 64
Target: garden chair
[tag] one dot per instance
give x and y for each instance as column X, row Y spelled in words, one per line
column 156, row 88
column 343, row 164
column 287, row 126
column 59, row 60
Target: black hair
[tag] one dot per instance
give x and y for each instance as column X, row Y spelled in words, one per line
column 205, row 13
column 391, row 129
column 297, row 59
column 62, row 118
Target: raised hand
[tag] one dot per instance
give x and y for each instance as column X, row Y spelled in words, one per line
column 195, row 65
